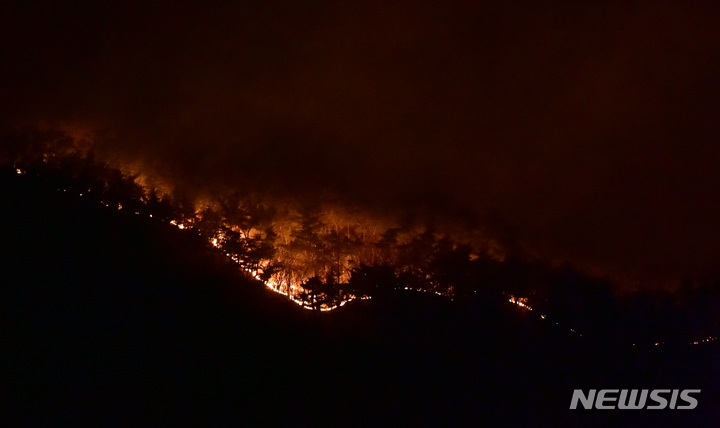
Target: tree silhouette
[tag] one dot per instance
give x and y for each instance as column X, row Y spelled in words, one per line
column 159, row 207
column 375, row 281
column 318, row 293
column 451, row 269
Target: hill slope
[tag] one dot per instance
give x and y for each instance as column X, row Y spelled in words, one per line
column 113, row 318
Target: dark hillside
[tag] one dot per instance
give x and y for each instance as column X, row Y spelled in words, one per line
column 109, row 315
column 112, row 318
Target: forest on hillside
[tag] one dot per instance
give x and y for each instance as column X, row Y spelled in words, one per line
column 323, row 256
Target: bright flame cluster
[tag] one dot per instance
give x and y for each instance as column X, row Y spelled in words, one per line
column 520, row 301
column 291, row 291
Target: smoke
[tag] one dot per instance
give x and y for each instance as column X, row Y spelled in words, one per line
column 578, row 132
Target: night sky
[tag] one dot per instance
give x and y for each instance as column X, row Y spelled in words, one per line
column 579, row 132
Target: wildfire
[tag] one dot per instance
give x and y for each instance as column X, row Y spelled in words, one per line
column 180, row 226
column 289, row 290
column 520, row 301
column 705, row 340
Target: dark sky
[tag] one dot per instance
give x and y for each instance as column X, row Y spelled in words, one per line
column 584, row 132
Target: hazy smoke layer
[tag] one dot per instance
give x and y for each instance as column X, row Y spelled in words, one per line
column 578, row 131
